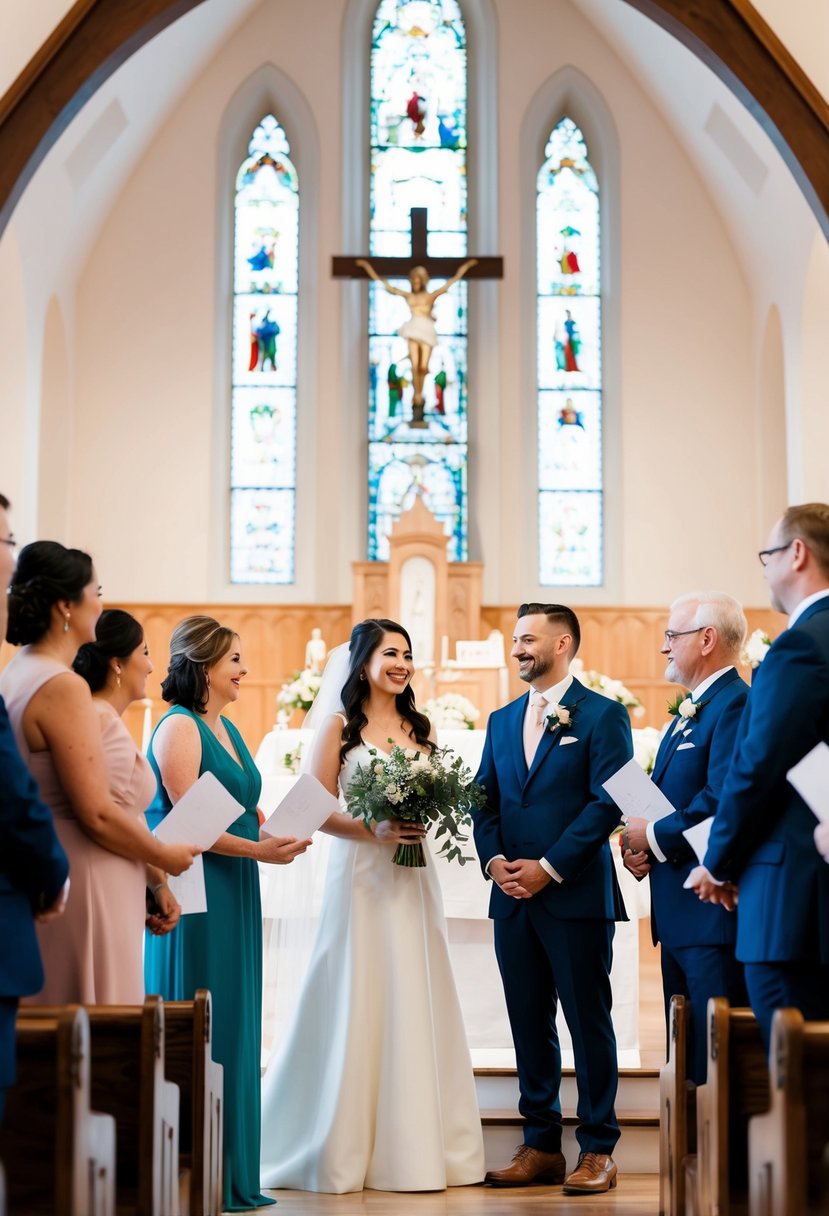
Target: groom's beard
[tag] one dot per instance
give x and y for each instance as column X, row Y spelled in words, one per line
column 534, row 670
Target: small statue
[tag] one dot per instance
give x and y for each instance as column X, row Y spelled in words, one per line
column 315, row 652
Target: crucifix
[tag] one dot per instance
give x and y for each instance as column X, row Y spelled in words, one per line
column 418, row 268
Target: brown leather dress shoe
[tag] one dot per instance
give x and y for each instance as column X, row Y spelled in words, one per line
column 595, row 1172
column 529, row 1165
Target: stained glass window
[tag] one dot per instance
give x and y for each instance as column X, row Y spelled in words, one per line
column 263, row 403
column 418, row 159
column 569, row 365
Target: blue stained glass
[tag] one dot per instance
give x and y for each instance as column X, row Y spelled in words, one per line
column 569, row 336
column 263, row 398
column 418, row 159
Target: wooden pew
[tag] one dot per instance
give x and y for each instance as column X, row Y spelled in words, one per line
column 677, row 1113
column 59, row 1155
column 128, row 1082
column 188, row 1061
column 786, row 1145
column 736, row 1089
column 2, row 1190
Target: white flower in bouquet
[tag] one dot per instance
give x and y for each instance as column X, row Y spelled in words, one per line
column 452, row 712
column 756, row 648
column 417, row 787
column 615, row 690
column 299, row 693
column 645, row 746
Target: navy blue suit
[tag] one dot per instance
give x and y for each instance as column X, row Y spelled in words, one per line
column 762, row 837
column 697, row 939
column 558, row 944
column 33, row 869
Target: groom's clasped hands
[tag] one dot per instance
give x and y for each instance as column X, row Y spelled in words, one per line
column 521, row 878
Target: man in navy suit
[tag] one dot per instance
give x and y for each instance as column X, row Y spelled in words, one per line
column 33, row 866
column 703, row 641
column 762, row 837
column 542, row 838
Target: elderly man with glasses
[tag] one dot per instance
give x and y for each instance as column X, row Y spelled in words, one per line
column 761, row 847
column 705, row 635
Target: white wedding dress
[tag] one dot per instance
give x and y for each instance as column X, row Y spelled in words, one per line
column 373, row 1085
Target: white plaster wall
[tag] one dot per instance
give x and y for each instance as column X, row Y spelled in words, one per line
column 20, row 489
column 143, row 486
column 815, row 376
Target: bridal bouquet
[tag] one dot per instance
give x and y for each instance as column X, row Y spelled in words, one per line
column 417, row 787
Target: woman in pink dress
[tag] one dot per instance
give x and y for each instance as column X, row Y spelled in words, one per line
column 76, row 750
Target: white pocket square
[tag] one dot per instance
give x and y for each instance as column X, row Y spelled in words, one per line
column 683, row 746
column 565, row 739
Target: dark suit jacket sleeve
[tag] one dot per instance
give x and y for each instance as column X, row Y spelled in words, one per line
column 703, row 805
column 33, row 860
column 785, row 716
column 611, row 746
column 487, row 819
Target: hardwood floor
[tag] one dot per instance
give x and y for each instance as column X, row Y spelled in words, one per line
column 636, row 1195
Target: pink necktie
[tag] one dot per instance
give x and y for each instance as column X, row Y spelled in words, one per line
column 534, row 726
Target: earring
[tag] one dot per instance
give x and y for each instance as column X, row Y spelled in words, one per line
column 362, row 675
column 117, row 677
column 66, row 623
column 207, row 680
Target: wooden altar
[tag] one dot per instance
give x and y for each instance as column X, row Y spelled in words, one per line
column 439, row 603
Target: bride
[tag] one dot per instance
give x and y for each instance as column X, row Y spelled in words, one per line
column 373, row 1085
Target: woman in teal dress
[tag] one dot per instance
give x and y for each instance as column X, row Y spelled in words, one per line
column 220, row 949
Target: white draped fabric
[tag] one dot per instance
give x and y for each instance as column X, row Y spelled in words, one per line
column 292, row 897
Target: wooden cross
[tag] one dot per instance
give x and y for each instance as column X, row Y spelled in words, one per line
column 398, row 268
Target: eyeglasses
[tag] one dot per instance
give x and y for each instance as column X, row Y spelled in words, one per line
column 8, row 540
column 672, row 634
column 765, row 554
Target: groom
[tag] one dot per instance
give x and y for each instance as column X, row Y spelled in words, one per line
column 542, row 838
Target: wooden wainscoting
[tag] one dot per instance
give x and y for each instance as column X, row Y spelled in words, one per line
column 620, row 642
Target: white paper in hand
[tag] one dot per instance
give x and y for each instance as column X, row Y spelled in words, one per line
column 810, row 777
column 302, row 811
column 697, row 836
column 636, row 795
column 199, row 817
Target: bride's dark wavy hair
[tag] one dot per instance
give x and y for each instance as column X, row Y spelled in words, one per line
column 365, row 639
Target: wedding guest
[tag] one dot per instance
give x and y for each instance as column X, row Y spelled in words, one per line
column 33, row 866
column 762, row 839
column 220, row 949
column 116, row 666
column 703, row 642
column 54, row 605
column 542, row 838
column 373, row 1085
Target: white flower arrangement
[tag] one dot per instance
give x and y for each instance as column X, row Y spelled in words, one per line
column 615, row 690
column 646, row 741
column 452, row 712
column 299, row 693
column 756, row 648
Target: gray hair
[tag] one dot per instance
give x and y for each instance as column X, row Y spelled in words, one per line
column 722, row 612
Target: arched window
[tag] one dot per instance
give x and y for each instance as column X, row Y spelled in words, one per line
column 418, row 159
column 264, row 356
column 570, row 509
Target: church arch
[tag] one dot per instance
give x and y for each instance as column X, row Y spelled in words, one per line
column 268, row 90
column 729, row 36
column 570, row 93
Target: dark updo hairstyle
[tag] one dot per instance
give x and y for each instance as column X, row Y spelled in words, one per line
column 117, row 635
column 46, row 573
column 365, row 639
column 197, row 643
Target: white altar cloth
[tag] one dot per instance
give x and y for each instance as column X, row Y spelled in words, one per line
column 466, row 900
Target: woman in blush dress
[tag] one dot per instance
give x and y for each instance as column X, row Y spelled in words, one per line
column 373, row 1085
column 116, row 666
column 220, row 949
column 54, row 606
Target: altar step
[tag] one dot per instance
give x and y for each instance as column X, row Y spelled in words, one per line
column 637, row 1109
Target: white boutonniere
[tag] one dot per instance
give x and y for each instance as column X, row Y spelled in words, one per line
column 560, row 715
column 684, row 707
